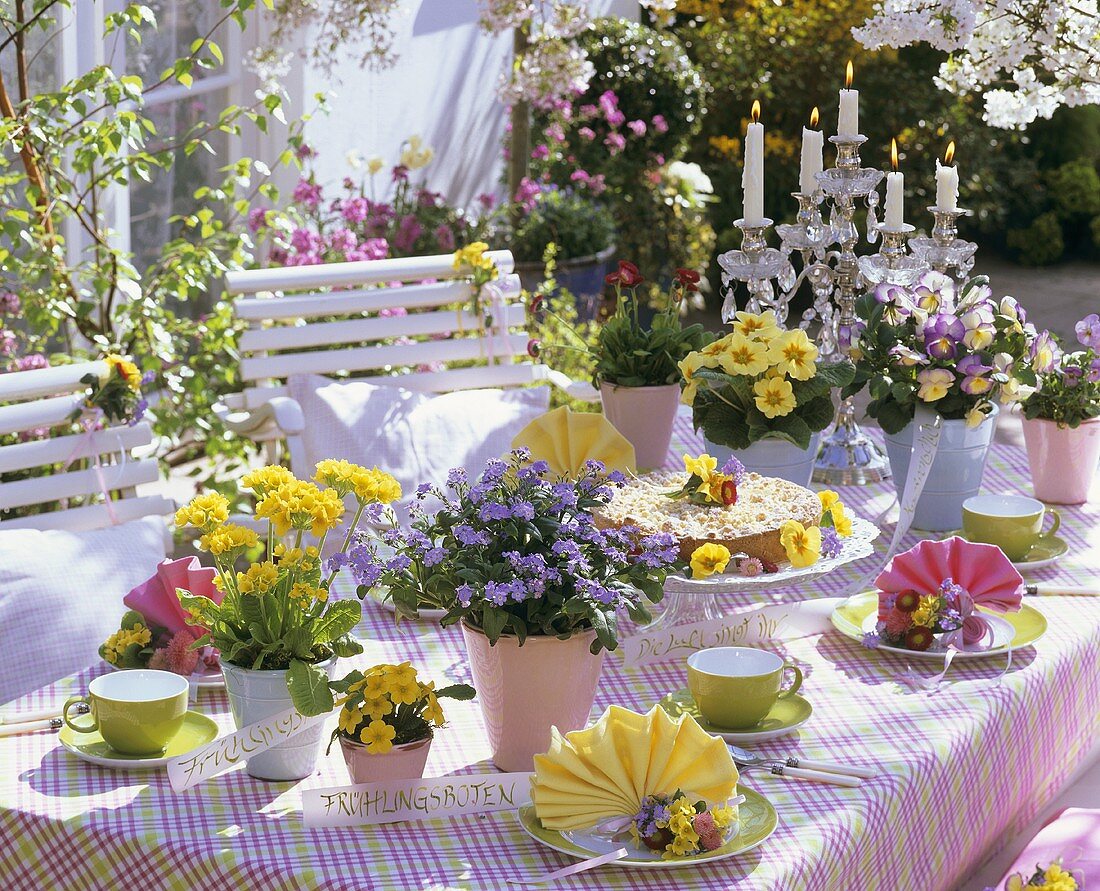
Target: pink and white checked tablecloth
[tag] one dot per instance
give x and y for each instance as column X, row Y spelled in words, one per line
column 961, row 770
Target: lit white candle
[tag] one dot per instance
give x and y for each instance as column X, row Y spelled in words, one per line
column 947, row 181
column 849, row 106
column 752, row 179
column 895, row 191
column 812, row 145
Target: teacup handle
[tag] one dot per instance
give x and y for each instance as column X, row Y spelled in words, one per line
column 1057, row 522
column 793, row 688
column 79, row 728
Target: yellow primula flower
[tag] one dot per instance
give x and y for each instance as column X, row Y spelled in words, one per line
column 724, row 816
column 204, row 512
column 744, row 356
column 350, row 718
column 265, row 479
column 759, row 326
column 803, row 546
column 708, row 559
column 403, row 689
column 126, row 369
column 793, row 354
column 377, row 706
column 432, row 711
column 296, row 504
column 306, row 592
column 925, row 613
column 474, row 256
column 774, row 396
column 374, row 685
column 1057, row 879
column 378, row 737
column 702, row 467
column 229, row 539
column 690, row 364
column 416, row 154
column 117, row 643
column 259, row 579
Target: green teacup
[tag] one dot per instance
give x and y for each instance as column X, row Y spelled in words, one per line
column 136, row 712
column 1014, row 523
column 735, row 687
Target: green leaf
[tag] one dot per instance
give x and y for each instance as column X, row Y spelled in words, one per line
column 456, row 691
column 339, row 619
column 309, row 690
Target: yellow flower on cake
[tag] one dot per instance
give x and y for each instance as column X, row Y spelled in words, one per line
column 828, row 498
column 378, row 737
column 702, row 467
column 744, row 356
column 803, row 546
column 759, row 326
column 204, row 512
column 841, row 521
column 774, row 396
column 793, row 354
column 708, row 559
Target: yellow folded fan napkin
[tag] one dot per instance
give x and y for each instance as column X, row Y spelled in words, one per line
column 608, row 769
column 566, row 439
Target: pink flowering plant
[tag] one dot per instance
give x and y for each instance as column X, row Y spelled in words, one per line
column 958, row 352
column 1069, row 382
column 517, row 552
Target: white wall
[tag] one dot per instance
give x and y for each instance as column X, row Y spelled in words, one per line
column 443, row 87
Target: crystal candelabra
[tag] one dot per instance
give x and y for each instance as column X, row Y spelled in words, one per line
column 835, row 274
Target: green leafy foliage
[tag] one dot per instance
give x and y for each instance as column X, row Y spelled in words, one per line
column 574, row 222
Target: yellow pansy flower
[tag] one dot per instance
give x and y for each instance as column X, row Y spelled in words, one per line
column 828, row 498
column 744, row 356
column 378, row 737
column 793, row 354
column 708, row 559
column 803, row 546
column 774, row 396
column 204, row 512
column 702, row 467
column 841, row 521
column 760, row 326
column 934, row 384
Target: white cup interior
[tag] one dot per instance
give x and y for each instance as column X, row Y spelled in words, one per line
column 138, row 685
column 1003, row 505
column 735, row 662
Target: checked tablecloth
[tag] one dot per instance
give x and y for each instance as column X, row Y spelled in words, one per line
column 960, row 770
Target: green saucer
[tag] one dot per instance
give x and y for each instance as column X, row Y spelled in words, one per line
column 1043, row 553
column 786, row 716
column 197, row 730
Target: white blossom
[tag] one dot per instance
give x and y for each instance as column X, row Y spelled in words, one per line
column 551, row 69
column 1027, row 57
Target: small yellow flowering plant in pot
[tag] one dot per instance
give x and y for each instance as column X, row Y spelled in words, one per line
column 276, row 614
column 759, row 388
column 388, row 711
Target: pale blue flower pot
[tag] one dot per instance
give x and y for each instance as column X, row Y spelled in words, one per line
column 772, row 457
column 956, row 472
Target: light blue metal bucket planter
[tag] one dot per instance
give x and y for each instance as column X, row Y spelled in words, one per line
column 772, row 457
column 956, row 472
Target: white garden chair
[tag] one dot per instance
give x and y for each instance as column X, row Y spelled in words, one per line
column 290, row 312
column 45, row 398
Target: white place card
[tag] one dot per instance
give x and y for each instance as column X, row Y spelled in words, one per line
column 397, row 801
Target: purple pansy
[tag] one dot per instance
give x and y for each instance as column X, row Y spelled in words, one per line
column 1088, row 331
column 942, row 334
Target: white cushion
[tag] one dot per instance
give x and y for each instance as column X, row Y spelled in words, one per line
column 61, row 596
column 416, row 437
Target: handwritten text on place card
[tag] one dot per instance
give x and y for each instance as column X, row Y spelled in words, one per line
column 223, row 753
column 758, row 625
column 395, row 801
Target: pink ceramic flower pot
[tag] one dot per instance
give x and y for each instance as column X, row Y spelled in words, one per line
column 405, row 762
column 524, row 691
column 1063, row 460
column 644, row 415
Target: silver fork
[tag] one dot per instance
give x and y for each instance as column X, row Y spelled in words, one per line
column 747, row 760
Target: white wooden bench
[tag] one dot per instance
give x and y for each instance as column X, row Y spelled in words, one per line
column 324, row 319
column 44, row 399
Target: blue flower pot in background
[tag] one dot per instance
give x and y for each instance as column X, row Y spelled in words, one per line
column 581, row 276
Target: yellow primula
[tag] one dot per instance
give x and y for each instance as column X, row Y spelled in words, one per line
column 690, row 364
column 774, row 396
column 204, row 512
column 378, row 737
column 296, row 504
column 744, row 356
column 759, row 326
column 803, row 546
column 925, row 613
column 724, row 816
column 708, row 559
column 475, row 257
column 259, row 579
column 366, row 484
column 793, row 354
column 229, row 539
column 702, row 467
column 1057, row 879
column 306, row 592
column 403, row 689
column 433, row 711
column 377, row 706
column 265, row 479
column 126, row 369
column 350, row 718
column 117, row 643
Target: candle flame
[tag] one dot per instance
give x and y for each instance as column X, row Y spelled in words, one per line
column 949, row 155
column 814, row 118
column 755, row 110
column 894, row 153
column 848, row 74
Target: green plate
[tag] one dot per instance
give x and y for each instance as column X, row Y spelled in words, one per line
column 197, row 730
column 786, row 716
column 1043, row 553
column 757, row 820
column 1028, row 623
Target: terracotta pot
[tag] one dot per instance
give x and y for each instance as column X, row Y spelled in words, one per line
column 644, row 415
column 404, row 762
column 1063, row 460
column 772, row 457
column 255, row 695
column 524, row 691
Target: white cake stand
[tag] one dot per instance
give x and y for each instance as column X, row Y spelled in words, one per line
column 696, row 600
